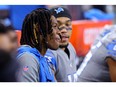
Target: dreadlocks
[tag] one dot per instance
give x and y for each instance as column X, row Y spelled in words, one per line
column 36, row 24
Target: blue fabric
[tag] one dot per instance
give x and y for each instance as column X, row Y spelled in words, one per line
column 50, row 57
column 45, row 74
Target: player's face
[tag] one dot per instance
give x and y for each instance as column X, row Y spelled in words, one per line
column 13, row 40
column 54, row 38
column 65, row 28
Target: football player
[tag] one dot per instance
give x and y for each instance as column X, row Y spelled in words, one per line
column 99, row 63
column 39, row 32
column 65, row 57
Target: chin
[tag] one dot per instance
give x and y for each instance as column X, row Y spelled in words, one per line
column 54, row 48
column 63, row 44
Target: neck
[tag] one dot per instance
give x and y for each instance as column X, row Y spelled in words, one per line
column 43, row 51
column 63, row 48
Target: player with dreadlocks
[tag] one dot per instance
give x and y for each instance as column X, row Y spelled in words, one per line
column 39, row 32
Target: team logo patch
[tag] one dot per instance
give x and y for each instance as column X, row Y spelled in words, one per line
column 25, row 68
column 59, row 10
column 49, row 59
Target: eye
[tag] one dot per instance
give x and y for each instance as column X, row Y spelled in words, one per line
column 55, row 26
column 68, row 24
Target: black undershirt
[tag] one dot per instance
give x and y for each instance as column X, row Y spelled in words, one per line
column 67, row 52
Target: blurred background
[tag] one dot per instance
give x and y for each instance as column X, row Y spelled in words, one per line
column 87, row 21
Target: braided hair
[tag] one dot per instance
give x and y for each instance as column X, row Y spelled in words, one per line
column 36, row 27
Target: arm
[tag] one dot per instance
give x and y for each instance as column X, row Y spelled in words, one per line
column 29, row 70
column 109, row 41
column 112, row 68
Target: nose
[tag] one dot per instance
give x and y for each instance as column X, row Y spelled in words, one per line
column 58, row 31
column 64, row 30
